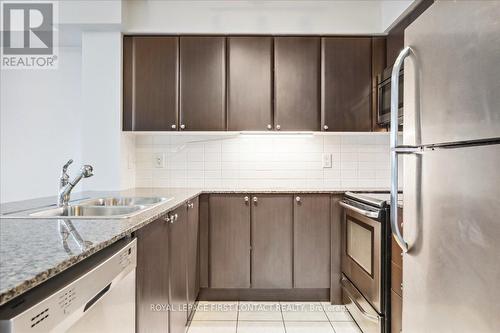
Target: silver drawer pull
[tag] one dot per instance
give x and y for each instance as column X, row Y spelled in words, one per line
column 367, row 213
column 369, row 316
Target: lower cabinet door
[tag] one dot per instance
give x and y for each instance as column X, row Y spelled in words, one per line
column 193, row 253
column 312, row 238
column 229, row 239
column 178, row 270
column 272, row 238
column 152, row 277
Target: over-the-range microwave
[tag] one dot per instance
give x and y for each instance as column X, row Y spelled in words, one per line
column 384, row 98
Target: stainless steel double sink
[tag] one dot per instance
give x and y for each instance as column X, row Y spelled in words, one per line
column 99, row 208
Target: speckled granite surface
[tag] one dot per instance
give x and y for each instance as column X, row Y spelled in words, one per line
column 32, row 250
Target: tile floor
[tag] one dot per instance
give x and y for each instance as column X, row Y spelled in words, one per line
column 271, row 317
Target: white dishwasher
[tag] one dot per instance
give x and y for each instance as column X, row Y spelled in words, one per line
column 96, row 298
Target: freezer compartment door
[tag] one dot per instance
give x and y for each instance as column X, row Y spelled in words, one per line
column 452, row 77
column 452, row 226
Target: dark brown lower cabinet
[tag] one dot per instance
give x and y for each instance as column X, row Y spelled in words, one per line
column 311, row 247
column 152, row 277
column 178, row 270
column 193, row 253
column 272, row 238
column 229, row 241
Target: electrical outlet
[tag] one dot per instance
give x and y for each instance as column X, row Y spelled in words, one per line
column 159, row 160
column 327, row 160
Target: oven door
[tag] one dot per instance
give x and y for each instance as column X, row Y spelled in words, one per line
column 361, row 252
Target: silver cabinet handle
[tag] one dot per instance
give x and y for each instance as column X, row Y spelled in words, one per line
column 247, row 199
column 255, row 199
column 174, row 126
column 278, row 127
column 367, row 213
column 166, row 219
column 369, row 316
column 297, row 199
column 269, row 127
column 325, row 127
column 394, row 145
column 183, row 126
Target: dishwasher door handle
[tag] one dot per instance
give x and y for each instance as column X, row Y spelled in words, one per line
column 97, row 297
column 364, row 212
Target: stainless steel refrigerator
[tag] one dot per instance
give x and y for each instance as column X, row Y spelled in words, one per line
column 451, row 168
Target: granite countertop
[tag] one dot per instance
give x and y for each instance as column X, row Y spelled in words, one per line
column 32, row 250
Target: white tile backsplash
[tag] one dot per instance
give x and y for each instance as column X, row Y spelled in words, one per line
column 264, row 161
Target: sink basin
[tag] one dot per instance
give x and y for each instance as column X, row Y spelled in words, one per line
column 87, row 211
column 124, row 201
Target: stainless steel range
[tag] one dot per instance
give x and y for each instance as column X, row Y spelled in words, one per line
column 366, row 253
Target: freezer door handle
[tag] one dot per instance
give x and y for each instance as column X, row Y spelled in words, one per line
column 395, row 149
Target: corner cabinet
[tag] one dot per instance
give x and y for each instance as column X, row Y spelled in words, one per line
column 178, row 269
column 202, row 83
column 229, row 241
column 346, row 84
column 150, row 83
column 272, row 241
column 297, row 70
column 193, row 252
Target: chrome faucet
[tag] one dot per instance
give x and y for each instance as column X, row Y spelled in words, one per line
column 66, row 186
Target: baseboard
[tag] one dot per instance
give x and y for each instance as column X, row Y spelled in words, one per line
column 296, row 294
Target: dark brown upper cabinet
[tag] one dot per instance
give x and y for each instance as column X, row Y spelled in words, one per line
column 346, row 84
column 297, row 83
column 250, row 69
column 202, row 83
column 150, row 83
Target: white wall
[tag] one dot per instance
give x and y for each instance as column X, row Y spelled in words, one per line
column 258, row 17
column 103, row 143
column 40, row 127
column 264, row 161
column 392, row 10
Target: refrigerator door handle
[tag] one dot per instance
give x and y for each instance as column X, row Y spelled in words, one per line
column 395, row 149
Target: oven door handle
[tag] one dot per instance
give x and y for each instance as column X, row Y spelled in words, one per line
column 367, row 213
column 369, row 316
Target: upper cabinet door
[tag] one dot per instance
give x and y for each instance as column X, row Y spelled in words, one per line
column 250, row 83
column 203, row 83
column 150, row 83
column 346, row 84
column 297, row 83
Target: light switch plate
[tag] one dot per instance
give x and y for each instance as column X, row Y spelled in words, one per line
column 159, row 160
column 327, row 160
